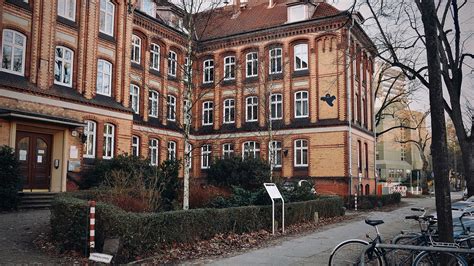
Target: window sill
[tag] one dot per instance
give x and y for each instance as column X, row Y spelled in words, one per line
column 251, row 80
column 172, row 78
column 155, row 72
column 228, row 82
column 66, row 22
column 20, row 3
column 276, row 76
column 137, row 66
column 107, row 37
column 300, row 73
column 207, row 85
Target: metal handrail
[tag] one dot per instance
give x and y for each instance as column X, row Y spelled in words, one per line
column 413, row 247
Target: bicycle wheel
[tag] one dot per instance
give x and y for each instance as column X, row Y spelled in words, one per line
column 348, row 253
column 403, row 256
column 434, row 258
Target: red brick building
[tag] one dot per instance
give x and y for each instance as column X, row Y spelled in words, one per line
column 84, row 80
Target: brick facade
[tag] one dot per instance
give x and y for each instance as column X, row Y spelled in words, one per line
column 326, row 128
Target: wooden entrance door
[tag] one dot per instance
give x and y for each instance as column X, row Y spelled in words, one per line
column 33, row 150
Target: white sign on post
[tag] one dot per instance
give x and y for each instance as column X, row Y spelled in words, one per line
column 274, row 193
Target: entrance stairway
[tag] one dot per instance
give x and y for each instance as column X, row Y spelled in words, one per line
column 35, row 200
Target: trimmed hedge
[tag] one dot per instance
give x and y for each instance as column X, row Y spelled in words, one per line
column 142, row 233
column 368, row 202
column 10, row 181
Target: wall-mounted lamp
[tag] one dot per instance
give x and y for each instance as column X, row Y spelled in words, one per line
column 285, row 152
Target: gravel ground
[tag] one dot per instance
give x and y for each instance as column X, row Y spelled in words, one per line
column 17, row 232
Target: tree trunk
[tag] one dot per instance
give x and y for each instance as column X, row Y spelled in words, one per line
column 439, row 149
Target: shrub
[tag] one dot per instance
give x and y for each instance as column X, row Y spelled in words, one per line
column 200, row 196
column 10, row 182
column 142, row 234
column 250, row 173
column 368, row 202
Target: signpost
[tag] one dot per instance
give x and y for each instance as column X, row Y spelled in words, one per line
column 274, row 193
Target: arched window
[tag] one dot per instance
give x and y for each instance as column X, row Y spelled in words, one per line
column 153, row 97
column 367, row 189
column 109, row 141
column 171, row 114
column 276, row 106
column 229, row 111
column 63, row 66
column 301, row 104
column 252, row 65
column 206, row 156
column 301, row 153
column 227, row 150
column 104, row 78
column 90, row 131
column 274, row 153
column 276, row 59
column 135, row 98
column 229, row 68
column 155, row 57
column 251, row 109
column 250, row 149
column 13, row 52
column 67, row 9
column 171, row 150
column 136, row 146
column 207, row 113
column 136, row 49
column 106, row 21
column 208, row 73
column 172, row 63
column 153, row 151
column 301, row 57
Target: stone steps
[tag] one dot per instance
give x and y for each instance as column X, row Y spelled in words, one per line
column 35, row 200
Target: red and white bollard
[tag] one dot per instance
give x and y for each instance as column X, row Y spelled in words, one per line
column 92, row 224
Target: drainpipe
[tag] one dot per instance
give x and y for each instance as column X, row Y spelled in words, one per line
column 349, row 102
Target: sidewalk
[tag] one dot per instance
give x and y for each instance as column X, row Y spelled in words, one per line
column 315, row 249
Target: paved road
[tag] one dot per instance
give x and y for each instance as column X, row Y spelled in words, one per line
column 314, row 249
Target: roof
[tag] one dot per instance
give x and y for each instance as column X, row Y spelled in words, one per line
column 225, row 21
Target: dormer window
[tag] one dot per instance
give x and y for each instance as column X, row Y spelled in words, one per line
column 297, row 13
column 148, row 7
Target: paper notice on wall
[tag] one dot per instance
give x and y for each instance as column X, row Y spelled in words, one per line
column 22, row 154
column 39, row 159
column 73, row 152
column 40, row 151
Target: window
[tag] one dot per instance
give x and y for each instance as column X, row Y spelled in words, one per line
column 251, row 109
column 171, row 112
column 155, row 57
column 109, row 140
column 188, row 70
column 229, row 111
column 227, row 150
column 153, row 97
column 252, row 65
column 276, row 106
column 301, row 153
column 301, row 57
column 208, row 74
column 13, row 52
column 356, row 107
column 171, row 150
column 229, row 68
column 187, row 112
column 297, row 13
column 207, row 113
column 148, row 7
column 276, row 61
column 172, row 63
column 251, row 149
column 189, row 154
column 206, row 156
column 135, row 146
column 153, row 150
column 136, row 49
column 67, row 9
column 359, row 156
column 301, row 104
column 402, row 152
column 90, row 131
column 366, row 160
column 135, row 98
column 104, row 78
column 63, row 66
column 106, row 20
column 274, row 153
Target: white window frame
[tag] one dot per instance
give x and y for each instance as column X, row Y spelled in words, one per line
column 252, row 65
column 90, row 132
column 153, row 103
column 171, row 108
column 275, row 60
column 172, row 63
column 300, row 150
column 229, row 111
column 302, row 103
column 107, row 11
column 187, row 114
column 105, row 79
column 207, row 113
column 278, row 103
column 187, row 73
column 109, row 141
column 293, row 16
column 13, row 46
column 276, row 147
column 227, row 150
column 229, row 68
column 189, row 152
column 206, row 152
column 251, row 109
column 253, row 148
column 171, row 150
column 153, row 151
column 64, row 61
column 155, row 56
column 136, row 52
column 135, row 145
column 135, row 98
column 208, row 71
column 300, row 52
column 65, row 6
column 151, row 10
